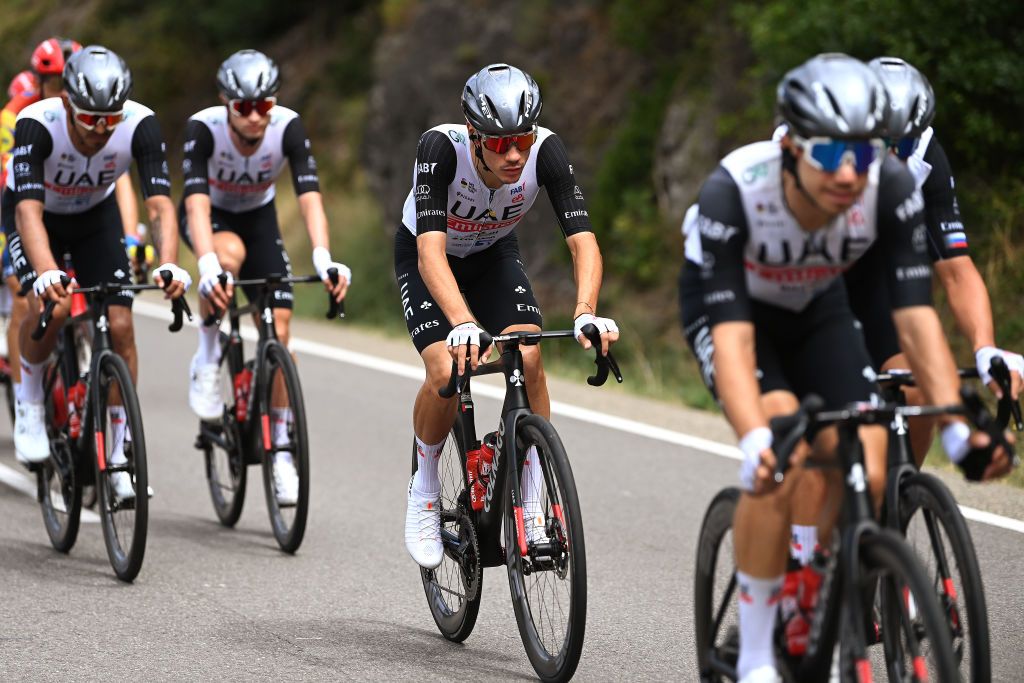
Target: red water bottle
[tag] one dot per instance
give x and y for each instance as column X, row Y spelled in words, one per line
column 76, row 401
column 484, row 468
column 243, row 381
column 472, row 467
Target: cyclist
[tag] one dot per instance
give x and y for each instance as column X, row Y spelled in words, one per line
column 913, row 141
column 23, row 82
column 68, row 152
column 234, row 152
column 42, row 81
column 765, row 311
column 472, row 183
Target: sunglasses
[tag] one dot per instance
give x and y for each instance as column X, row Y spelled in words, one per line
column 246, row 107
column 499, row 144
column 904, row 147
column 827, row 154
column 90, row 119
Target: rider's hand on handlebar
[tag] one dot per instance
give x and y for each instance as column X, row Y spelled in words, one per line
column 1014, row 362
column 323, row 263
column 179, row 284
column 49, row 287
column 209, row 281
column 606, row 326
column 466, row 338
column 974, row 453
column 757, row 469
column 1000, row 463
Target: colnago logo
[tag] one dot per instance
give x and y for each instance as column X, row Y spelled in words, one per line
column 495, row 466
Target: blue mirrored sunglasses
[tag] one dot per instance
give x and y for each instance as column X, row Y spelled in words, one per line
column 827, row 154
column 904, row 147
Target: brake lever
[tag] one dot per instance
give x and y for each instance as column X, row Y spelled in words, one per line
column 335, row 309
column 217, row 312
column 983, row 420
column 788, row 430
column 603, row 363
column 47, row 314
column 457, row 381
column 1008, row 407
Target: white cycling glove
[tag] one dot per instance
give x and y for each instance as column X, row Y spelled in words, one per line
column 983, row 357
column 752, row 443
column 47, row 279
column 954, row 438
column 177, row 273
column 209, row 271
column 602, row 324
column 322, row 262
column 466, row 333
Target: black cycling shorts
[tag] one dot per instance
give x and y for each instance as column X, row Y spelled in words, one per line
column 870, row 303
column 94, row 239
column 493, row 281
column 818, row 350
column 264, row 248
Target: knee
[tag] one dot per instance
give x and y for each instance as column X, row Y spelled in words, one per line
column 282, row 324
column 122, row 331
column 532, row 363
column 230, row 253
column 439, row 372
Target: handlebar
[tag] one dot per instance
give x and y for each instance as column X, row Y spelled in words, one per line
column 604, row 363
column 335, row 309
column 788, row 430
column 179, row 306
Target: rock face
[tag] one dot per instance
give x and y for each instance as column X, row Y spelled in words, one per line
column 421, row 67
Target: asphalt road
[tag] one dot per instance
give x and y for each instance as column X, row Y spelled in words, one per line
column 213, row 603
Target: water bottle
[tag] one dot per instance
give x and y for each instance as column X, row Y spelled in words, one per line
column 243, row 381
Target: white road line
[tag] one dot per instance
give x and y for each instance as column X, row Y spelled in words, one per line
column 23, row 483
column 621, row 424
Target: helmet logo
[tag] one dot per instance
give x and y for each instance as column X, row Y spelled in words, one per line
column 484, row 107
column 824, row 104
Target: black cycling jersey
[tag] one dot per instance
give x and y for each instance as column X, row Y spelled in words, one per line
column 947, row 237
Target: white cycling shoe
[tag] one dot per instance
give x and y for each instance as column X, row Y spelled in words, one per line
column 121, row 486
column 286, row 479
column 423, row 529
column 762, row 674
column 31, row 442
column 204, row 391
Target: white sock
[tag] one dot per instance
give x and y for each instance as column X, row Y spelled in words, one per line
column 30, row 390
column 280, row 418
column 759, row 600
column 116, row 420
column 426, row 483
column 533, row 478
column 209, row 344
column 803, row 543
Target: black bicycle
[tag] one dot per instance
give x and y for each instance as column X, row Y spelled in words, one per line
column 865, row 560
column 546, row 560
column 80, row 385
column 921, row 507
column 264, row 419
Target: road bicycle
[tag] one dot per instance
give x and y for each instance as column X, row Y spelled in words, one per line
column 264, row 416
column 545, row 560
column 921, row 508
column 85, row 379
column 864, row 560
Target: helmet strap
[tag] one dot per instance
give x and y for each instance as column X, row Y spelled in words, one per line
column 478, row 149
column 789, row 164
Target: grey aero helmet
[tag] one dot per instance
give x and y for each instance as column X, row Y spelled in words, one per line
column 96, row 79
column 248, row 75
column 833, row 95
column 911, row 98
column 501, row 100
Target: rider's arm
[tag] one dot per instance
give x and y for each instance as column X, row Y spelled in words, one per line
column 965, row 290
column 148, row 150
column 195, row 169
column 555, row 173
column 722, row 224
column 295, row 145
column 902, row 231
column 435, row 171
column 124, row 193
column 32, row 146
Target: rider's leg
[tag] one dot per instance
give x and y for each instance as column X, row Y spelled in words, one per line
column 230, row 252
column 761, row 530
column 432, row 416
column 19, row 309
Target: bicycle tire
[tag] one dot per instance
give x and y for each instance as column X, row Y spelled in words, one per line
column 125, row 554
column 223, row 450
column 62, row 520
column 717, row 648
column 886, row 559
column 566, row 525
column 455, row 622
column 926, row 495
column 287, row 532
